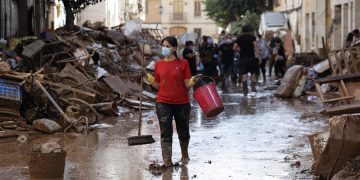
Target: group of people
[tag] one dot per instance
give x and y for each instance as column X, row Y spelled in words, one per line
column 236, row 56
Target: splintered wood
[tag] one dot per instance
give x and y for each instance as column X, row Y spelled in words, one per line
column 345, row 61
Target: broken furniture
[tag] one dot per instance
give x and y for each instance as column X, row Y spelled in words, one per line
column 345, row 67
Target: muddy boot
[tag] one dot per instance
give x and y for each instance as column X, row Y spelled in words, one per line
column 184, row 152
column 166, row 148
column 245, row 88
column 253, row 86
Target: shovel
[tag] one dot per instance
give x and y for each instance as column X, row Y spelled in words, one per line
column 140, row 139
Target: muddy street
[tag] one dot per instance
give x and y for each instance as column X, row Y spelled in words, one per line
column 256, row 137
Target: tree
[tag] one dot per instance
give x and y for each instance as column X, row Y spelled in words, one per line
column 249, row 18
column 225, row 11
column 73, row 7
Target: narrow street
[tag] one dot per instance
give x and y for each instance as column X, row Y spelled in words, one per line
column 256, row 137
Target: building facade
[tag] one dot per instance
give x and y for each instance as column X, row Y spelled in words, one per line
column 180, row 16
column 320, row 24
column 22, row 17
column 56, row 14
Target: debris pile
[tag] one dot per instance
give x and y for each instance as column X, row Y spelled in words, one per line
column 69, row 78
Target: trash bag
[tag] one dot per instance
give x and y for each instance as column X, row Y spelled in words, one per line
column 343, row 145
column 132, row 29
column 290, row 81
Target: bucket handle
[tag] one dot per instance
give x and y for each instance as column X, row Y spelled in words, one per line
column 204, row 76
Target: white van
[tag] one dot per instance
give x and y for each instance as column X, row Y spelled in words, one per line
column 272, row 22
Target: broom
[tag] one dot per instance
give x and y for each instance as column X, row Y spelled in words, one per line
column 140, row 139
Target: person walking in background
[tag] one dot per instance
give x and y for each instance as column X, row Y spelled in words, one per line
column 226, row 53
column 209, row 56
column 247, row 47
column 280, row 59
column 272, row 57
column 190, row 55
column 263, row 55
column 173, row 80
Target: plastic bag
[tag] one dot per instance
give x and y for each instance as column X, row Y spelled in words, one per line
column 132, row 28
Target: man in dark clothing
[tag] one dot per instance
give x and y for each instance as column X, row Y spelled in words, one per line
column 190, row 55
column 247, row 47
column 208, row 56
column 280, row 59
column 226, row 61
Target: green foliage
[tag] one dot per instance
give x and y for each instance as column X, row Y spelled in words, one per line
column 78, row 5
column 225, row 11
column 250, row 18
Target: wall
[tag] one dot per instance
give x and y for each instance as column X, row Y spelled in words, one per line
column 107, row 12
column 152, row 9
column 309, row 24
column 190, row 21
column 345, row 15
column 20, row 17
column 57, row 16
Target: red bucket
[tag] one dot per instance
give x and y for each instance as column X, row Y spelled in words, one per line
column 209, row 100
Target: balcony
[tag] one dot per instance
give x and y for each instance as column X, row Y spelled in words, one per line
column 178, row 17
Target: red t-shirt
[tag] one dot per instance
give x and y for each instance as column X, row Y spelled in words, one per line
column 170, row 76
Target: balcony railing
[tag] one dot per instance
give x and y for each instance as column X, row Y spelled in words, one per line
column 178, row 17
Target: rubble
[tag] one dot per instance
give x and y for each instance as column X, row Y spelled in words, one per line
column 342, row 146
column 74, row 77
column 46, row 125
column 290, row 82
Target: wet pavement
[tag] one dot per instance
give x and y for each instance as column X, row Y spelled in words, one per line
column 256, row 137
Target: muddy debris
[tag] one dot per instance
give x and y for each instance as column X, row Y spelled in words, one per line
column 350, row 171
column 76, row 77
column 296, row 164
column 312, row 116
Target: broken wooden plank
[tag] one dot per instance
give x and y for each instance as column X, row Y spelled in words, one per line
column 117, row 85
column 7, row 134
column 70, row 89
column 338, row 99
column 343, row 109
column 347, row 77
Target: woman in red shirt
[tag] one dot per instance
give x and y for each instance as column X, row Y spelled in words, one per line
column 173, row 80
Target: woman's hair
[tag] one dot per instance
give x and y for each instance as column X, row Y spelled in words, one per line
column 173, row 42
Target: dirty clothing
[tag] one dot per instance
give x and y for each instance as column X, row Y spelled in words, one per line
column 181, row 113
column 170, row 76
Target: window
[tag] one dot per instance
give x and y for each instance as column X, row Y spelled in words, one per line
column 197, row 9
column 198, row 32
column 276, row 3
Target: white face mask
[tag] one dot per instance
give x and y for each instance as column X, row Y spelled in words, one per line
column 165, row 51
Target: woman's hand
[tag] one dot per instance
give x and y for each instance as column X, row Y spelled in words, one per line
column 151, row 80
column 193, row 80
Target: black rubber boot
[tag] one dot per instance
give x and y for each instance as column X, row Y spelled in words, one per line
column 253, row 86
column 184, row 145
column 245, row 88
column 166, row 148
